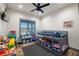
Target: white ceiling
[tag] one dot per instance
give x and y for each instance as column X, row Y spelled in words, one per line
column 27, row 7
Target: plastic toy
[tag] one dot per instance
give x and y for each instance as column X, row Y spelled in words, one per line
column 13, row 33
column 10, row 35
column 7, row 44
column 2, row 51
column 5, row 38
column 11, row 43
column 0, row 38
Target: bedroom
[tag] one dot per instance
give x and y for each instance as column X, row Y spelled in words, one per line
column 28, row 25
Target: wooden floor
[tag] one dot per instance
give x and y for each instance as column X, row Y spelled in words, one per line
column 69, row 52
column 19, row 51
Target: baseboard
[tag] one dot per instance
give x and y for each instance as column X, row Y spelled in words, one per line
column 74, row 49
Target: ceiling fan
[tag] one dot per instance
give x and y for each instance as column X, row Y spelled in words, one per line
column 38, row 7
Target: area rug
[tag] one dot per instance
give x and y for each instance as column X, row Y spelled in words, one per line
column 36, row 50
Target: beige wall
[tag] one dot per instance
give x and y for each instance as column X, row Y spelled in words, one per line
column 55, row 20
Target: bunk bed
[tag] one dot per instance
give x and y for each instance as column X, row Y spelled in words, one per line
column 56, row 41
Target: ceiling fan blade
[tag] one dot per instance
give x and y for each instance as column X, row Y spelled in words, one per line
column 44, row 5
column 35, row 4
column 41, row 10
column 33, row 10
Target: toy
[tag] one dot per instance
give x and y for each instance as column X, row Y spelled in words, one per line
column 11, row 43
column 5, row 37
column 7, row 43
column 0, row 38
column 10, row 35
column 34, row 37
column 2, row 51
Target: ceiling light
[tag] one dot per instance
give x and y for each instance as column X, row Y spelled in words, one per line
column 20, row 6
column 39, row 13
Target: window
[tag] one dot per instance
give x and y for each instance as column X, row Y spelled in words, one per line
column 27, row 27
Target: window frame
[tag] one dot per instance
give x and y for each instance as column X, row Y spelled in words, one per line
column 27, row 21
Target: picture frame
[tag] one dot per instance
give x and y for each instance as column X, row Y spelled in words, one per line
column 68, row 24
